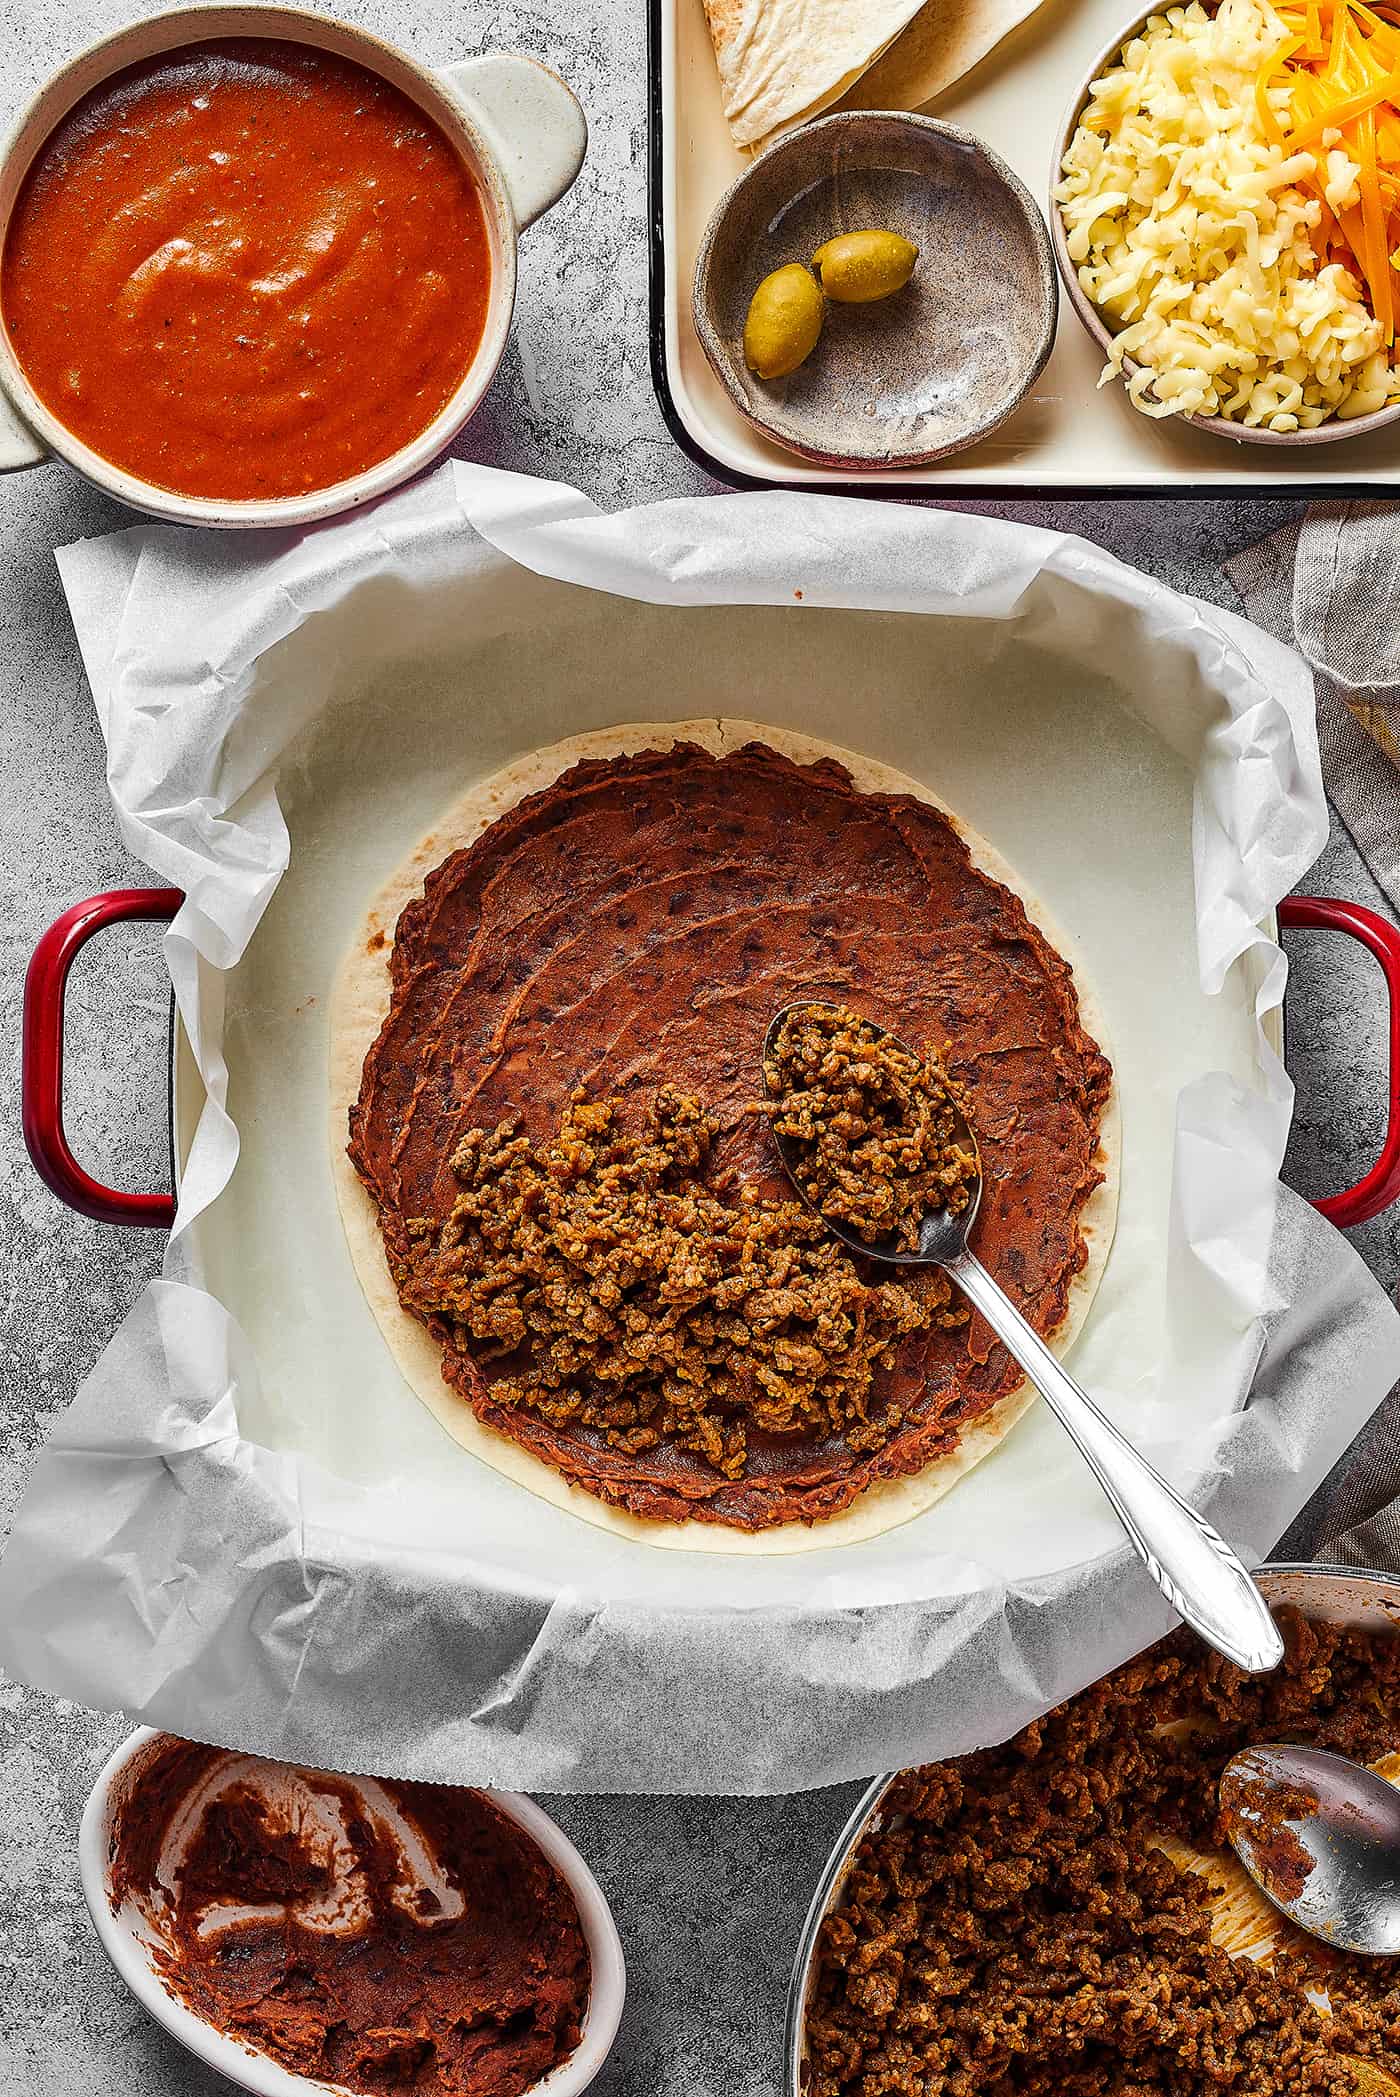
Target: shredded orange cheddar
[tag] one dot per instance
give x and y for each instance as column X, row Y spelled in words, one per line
column 1340, row 66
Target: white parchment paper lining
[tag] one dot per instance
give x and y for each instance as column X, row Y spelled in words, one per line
column 167, row 1563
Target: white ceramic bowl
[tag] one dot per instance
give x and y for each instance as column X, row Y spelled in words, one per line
column 1333, row 1594
column 129, row 1944
column 517, row 127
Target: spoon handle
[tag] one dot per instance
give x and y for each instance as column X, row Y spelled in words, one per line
column 1194, row 1567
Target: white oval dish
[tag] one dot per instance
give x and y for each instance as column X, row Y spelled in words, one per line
column 129, row 1943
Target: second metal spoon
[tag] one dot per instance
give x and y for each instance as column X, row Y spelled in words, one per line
column 1320, row 1836
column 1193, row 1566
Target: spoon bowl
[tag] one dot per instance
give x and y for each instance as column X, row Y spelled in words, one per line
column 941, row 1235
column 1320, row 1837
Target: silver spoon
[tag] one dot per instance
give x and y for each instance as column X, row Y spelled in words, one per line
column 1320, row 1837
column 1194, row 1567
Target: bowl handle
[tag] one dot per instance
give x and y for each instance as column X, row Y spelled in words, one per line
column 1381, row 1185
column 41, row 1081
column 19, row 447
column 532, row 122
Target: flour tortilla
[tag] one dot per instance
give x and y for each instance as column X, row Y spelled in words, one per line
column 783, row 62
column 360, row 1000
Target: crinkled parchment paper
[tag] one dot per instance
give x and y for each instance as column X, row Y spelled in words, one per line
column 248, row 1530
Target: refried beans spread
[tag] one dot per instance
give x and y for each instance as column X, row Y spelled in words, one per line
column 635, row 927
column 384, row 1936
column 874, row 1131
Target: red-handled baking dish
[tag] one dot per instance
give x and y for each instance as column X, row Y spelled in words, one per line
column 42, row 1079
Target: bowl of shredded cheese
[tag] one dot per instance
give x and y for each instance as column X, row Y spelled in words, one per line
column 1225, row 212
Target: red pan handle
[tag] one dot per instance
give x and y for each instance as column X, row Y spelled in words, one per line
column 41, row 1082
column 1381, row 1185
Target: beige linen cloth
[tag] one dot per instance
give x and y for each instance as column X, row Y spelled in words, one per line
column 1330, row 585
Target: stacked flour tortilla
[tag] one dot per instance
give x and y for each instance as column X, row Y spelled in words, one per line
column 361, row 999
column 782, row 62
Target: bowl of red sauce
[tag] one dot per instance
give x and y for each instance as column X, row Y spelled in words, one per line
column 307, row 1932
column 257, row 266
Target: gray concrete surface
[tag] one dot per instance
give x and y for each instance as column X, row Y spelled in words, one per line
column 708, row 1894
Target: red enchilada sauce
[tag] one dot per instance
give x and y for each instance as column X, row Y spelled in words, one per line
column 245, row 269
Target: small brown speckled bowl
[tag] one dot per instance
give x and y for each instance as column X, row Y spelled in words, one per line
column 908, row 379
column 1330, row 432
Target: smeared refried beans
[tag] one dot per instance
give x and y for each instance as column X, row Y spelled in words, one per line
column 560, row 1125
column 386, row 1937
column 876, row 1131
column 1010, row 1930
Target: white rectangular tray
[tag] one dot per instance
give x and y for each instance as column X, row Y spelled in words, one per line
column 1070, row 438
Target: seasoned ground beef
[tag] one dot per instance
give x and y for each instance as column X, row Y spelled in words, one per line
column 640, row 1300
column 1010, row 1931
column 1257, row 1808
column 880, row 1133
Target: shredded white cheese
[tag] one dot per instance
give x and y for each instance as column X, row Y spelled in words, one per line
column 1187, row 233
